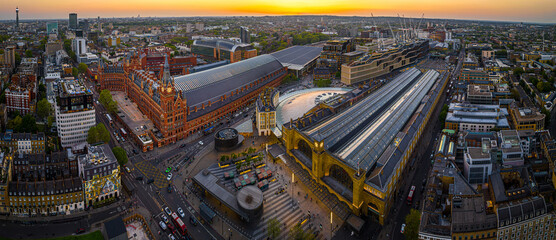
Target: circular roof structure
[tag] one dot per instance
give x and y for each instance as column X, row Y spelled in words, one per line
column 226, row 134
column 295, row 104
column 250, row 197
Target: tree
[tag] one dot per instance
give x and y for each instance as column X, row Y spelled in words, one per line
column 105, row 97
column 103, row 133
column 92, row 135
column 297, row 233
column 112, row 107
column 28, row 53
column 412, row 221
column 43, row 108
column 120, row 154
column 17, row 58
column 50, row 120
column 74, row 72
column 273, row 228
column 14, row 123
column 28, row 124
column 82, row 67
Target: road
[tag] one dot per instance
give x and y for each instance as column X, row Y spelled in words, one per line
column 431, row 133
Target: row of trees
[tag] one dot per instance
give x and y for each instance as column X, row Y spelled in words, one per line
column 274, row 229
column 106, row 100
column 308, row 38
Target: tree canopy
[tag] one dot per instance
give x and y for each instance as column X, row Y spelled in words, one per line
column 120, row 154
column 297, row 233
column 26, row 123
column 82, row 68
column 43, row 108
column 273, row 228
column 98, row 133
column 412, row 221
column 106, row 100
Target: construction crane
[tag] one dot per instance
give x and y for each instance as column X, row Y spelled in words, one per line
column 419, row 25
column 391, row 31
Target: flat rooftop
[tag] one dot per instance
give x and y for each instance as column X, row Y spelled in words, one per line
column 297, row 57
column 131, row 115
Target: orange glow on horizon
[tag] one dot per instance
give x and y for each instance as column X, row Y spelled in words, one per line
column 517, row 10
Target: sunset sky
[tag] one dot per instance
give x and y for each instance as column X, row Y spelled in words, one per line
column 506, row 10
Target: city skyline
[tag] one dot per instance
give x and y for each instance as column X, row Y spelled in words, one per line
column 540, row 11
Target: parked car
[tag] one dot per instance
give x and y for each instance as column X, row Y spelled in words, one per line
column 140, row 178
column 168, row 211
column 169, row 177
column 182, row 145
column 162, row 225
column 201, row 143
column 165, row 219
column 169, row 188
column 168, row 169
column 80, row 230
column 170, row 236
column 127, row 169
column 403, row 228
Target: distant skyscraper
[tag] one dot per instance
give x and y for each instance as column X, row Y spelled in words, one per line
column 72, row 21
column 52, row 28
column 17, row 18
column 244, row 35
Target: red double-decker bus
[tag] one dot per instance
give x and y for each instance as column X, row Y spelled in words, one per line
column 179, row 224
column 410, row 195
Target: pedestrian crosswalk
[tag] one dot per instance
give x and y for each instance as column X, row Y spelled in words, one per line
column 279, row 206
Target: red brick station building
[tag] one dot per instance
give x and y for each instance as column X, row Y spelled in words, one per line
column 181, row 104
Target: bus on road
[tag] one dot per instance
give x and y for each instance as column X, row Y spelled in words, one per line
column 410, row 195
column 179, row 224
column 109, row 119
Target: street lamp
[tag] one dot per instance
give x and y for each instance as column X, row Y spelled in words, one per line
column 330, row 224
column 293, row 180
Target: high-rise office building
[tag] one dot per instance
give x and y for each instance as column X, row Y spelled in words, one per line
column 75, row 112
column 80, row 45
column 245, row 35
column 72, row 21
column 52, row 28
column 17, row 18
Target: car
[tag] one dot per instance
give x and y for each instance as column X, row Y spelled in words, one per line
column 182, row 145
column 127, row 169
column 164, row 218
column 180, row 212
column 403, row 228
column 168, row 211
column 193, row 220
column 280, row 190
column 140, row 178
column 170, row 236
column 169, row 188
column 201, row 143
column 162, row 225
column 168, row 169
column 150, row 181
column 80, row 230
column 169, row 177
column 135, row 151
